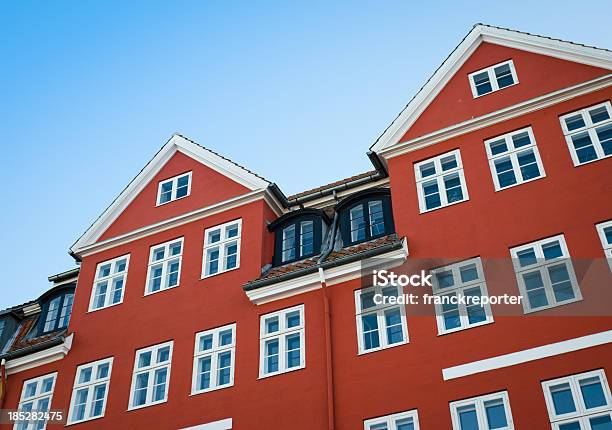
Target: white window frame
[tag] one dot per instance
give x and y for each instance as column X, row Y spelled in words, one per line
column 391, row 420
column 90, row 386
column 281, row 334
column 151, row 371
column 174, row 181
column 589, row 128
column 165, row 263
column 541, row 265
column 213, row 353
column 492, row 78
column 379, row 310
column 607, row 247
column 110, row 282
column 35, row 399
column 439, row 178
column 222, row 245
column 582, row 414
column 459, row 288
column 478, row 403
column 513, row 153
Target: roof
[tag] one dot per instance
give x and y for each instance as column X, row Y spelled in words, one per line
column 177, row 143
column 22, row 344
column 571, row 51
column 373, row 174
column 341, row 256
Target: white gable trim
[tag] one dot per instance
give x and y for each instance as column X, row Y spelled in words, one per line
column 177, row 143
column 482, row 33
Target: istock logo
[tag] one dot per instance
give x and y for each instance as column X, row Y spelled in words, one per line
column 384, row 277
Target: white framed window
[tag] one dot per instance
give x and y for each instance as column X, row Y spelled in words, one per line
column 214, row 359
column 281, row 342
column 604, row 230
column 514, row 159
column 90, row 391
column 222, row 248
column 174, row 188
column 151, row 376
column 109, row 283
column 36, row 395
column 451, row 283
column 383, row 325
column 588, row 133
column 488, row 412
column 545, row 274
column 579, row 402
column 493, row 78
column 440, row 181
column 164, row 266
column 408, row 420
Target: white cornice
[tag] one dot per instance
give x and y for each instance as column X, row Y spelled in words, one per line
column 39, row 358
column 181, row 220
column 331, row 276
column 501, row 115
column 177, row 143
column 482, row 33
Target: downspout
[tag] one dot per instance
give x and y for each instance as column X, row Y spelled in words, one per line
column 329, row 368
column 2, row 381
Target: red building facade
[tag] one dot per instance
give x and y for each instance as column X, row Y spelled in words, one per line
column 207, row 299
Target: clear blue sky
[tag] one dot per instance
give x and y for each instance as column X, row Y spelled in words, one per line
column 295, row 91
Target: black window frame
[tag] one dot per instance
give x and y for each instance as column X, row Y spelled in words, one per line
column 363, row 199
column 296, row 218
column 46, row 301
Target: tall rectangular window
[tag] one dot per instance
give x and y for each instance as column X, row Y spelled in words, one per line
column 109, row 283
column 408, row 420
column 604, row 230
column 588, row 133
column 214, row 357
column 514, row 159
column 164, row 266
column 483, row 413
column 282, row 347
column 222, row 248
column 90, row 391
column 579, row 402
column 545, row 274
column 440, row 181
column 36, row 395
column 379, row 324
column 493, row 78
column 151, row 375
column 454, row 282
column 174, row 188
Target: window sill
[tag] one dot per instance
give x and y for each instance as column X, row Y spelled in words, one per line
column 475, row 96
column 104, row 307
column 134, row 408
column 592, row 161
column 73, row 423
column 445, row 206
column 578, row 298
column 293, row 369
column 162, row 290
column 382, row 348
column 460, row 329
column 519, row 183
column 208, row 390
column 202, row 277
column 170, row 201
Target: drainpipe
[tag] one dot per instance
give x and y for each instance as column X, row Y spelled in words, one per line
column 2, row 381
column 329, row 371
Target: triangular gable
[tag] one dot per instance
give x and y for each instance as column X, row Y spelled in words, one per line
column 177, row 144
column 480, row 33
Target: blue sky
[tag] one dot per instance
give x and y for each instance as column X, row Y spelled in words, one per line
column 296, row 91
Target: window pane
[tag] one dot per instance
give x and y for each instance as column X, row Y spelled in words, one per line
column 498, row 146
column 468, row 273
column 592, row 393
column 427, row 169
column 482, row 83
column 563, row 400
column 102, row 371
column 357, row 223
column 584, row 147
column 98, row 400
column 367, row 299
column 445, row 279
column 47, row 385
column 432, row 195
column 206, row 342
column 271, row 364
column 605, row 138
column 225, row 337
column 214, row 236
column 231, row 231
column 476, row 313
column 104, row 271
column 377, row 222
column 505, row 172
column 293, row 350
column 293, row 319
column 521, row 139
column 574, row 122
column 144, row 359
column 182, row 186
column 140, row 392
column 166, row 192
column 117, row 289
column 272, row 325
column 561, row 284
column 30, row 389
column 224, row 363
column 393, row 321
column 528, row 164
column 159, row 387
column 370, row 331
column 405, row 424
column 79, row 405
column 570, row 426
column 599, row 114
column 204, row 366
column 288, row 245
column 306, row 238
column 496, row 414
column 552, row 250
column 535, row 289
column 163, row 354
column 527, row 257
column 159, row 253
column 452, row 183
column 467, row 418
column 503, row 74
column 601, row 423
column 212, row 259
column 85, row 375
column 448, row 163
column 608, row 235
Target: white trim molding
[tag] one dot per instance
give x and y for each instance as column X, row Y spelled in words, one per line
column 224, row 424
column 498, row 36
column 330, row 276
column 39, row 358
column 176, row 143
column 527, row 355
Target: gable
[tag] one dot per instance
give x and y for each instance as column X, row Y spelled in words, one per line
column 537, row 74
column 214, row 180
column 207, row 188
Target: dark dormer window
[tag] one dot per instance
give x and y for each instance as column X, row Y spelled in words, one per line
column 298, row 235
column 365, row 216
column 56, row 312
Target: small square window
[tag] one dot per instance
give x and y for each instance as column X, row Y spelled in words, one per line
column 174, row 188
column 493, row 78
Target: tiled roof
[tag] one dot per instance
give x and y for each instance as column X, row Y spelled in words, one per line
column 22, row 341
column 311, row 263
column 332, row 185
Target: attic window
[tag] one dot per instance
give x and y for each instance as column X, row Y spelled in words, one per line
column 56, row 312
column 365, row 216
column 298, row 235
column 493, row 78
column 174, row 188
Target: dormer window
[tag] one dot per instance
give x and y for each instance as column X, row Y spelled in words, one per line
column 493, row 78
column 366, row 216
column 174, row 188
column 298, row 235
column 56, row 312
